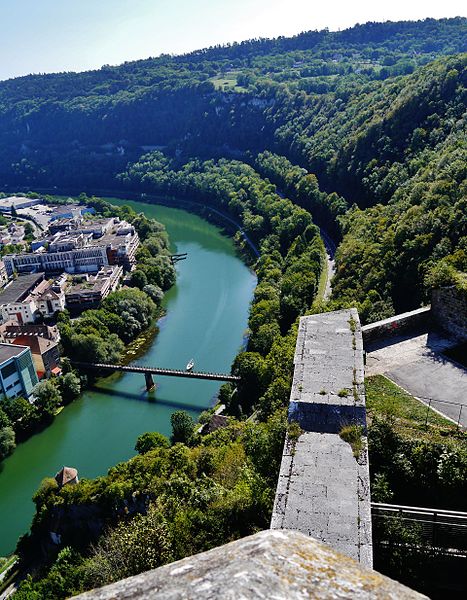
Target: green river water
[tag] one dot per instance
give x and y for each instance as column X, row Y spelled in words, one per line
column 207, row 312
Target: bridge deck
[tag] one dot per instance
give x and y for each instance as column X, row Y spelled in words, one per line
column 158, row 371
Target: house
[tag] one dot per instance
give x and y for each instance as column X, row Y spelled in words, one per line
column 49, row 300
column 17, row 373
column 42, row 340
column 215, row 422
column 14, row 302
column 41, row 300
column 67, row 476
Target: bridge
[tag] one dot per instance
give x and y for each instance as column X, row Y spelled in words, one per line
column 148, row 372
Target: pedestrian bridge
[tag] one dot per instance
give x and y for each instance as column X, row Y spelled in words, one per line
column 148, row 372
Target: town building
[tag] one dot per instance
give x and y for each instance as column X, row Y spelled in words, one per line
column 17, row 373
column 64, row 224
column 88, row 291
column 3, row 274
column 43, row 342
column 86, row 250
column 29, row 297
column 17, row 202
column 69, row 211
column 13, row 297
column 13, row 234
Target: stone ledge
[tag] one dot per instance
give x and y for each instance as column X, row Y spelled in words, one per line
column 277, row 565
column 418, row 319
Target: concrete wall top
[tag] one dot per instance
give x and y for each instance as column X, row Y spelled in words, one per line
column 323, row 490
column 418, row 319
column 284, row 565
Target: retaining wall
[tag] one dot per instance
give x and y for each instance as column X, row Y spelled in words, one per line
column 419, row 319
column 449, row 311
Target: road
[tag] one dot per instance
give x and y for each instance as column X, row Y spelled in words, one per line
column 330, row 247
column 417, row 364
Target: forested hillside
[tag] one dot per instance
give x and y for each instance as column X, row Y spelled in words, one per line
column 374, row 114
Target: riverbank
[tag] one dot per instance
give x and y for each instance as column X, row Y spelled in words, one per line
column 206, row 316
column 101, row 334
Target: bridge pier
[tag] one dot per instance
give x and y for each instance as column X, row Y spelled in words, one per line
column 150, row 385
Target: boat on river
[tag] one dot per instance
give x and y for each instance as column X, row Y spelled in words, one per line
column 190, row 365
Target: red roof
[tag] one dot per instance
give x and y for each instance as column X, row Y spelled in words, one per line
column 65, row 475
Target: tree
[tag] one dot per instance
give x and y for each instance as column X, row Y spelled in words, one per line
column 70, row 386
column 154, row 292
column 251, row 368
column 7, row 442
column 182, row 427
column 47, row 397
column 130, row 548
column 4, row 419
column 139, row 279
column 149, row 441
column 23, row 415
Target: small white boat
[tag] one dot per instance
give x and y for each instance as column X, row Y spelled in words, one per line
column 190, row 365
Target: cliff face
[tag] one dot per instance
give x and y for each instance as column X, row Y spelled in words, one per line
column 78, row 525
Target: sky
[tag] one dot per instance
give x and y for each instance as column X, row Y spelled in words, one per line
column 43, row 36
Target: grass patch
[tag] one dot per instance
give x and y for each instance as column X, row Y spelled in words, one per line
column 294, row 431
column 352, row 434
column 5, row 563
column 412, row 418
column 323, row 279
column 343, row 393
column 227, row 81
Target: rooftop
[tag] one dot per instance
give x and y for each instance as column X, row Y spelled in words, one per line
column 65, row 475
column 37, row 344
column 91, row 283
column 8, row 351
column 18, row 289
column 17, row 201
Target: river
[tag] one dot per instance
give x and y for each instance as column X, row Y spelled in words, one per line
column 207, row 313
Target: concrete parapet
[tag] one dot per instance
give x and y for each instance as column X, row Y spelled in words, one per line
column 283, row 565
column 415, row 320
column 323, row 490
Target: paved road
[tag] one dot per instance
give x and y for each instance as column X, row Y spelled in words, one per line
column 418, row 366
column 330, row 252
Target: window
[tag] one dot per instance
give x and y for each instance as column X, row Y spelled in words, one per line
column 8, row 370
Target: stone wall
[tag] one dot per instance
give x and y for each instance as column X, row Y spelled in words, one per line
column 281, row 565
column 415, row 320
column 323, row 490
column 449, row 311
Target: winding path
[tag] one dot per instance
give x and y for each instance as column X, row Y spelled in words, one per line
column 330, row 247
